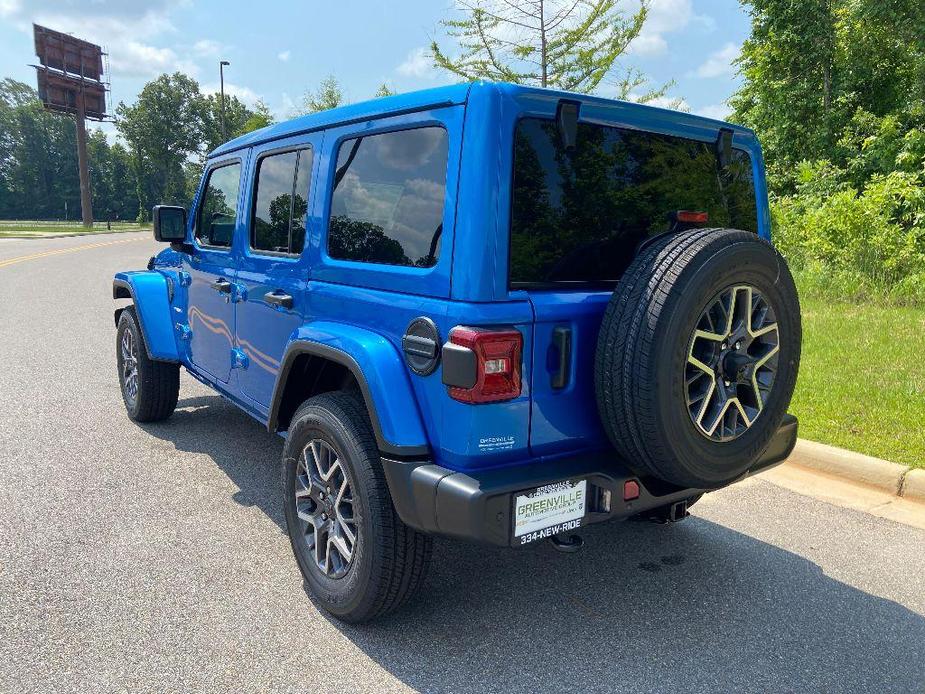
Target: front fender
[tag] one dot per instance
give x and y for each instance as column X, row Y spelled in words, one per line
column 150, row 292
column 380, row 372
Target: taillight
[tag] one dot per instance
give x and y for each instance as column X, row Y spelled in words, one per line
column 692, row 217
column 483, row 365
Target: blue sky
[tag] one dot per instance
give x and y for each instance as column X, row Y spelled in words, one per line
column 278, row 49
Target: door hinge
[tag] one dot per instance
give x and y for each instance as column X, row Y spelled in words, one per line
column 239, row 359
column 186, row 333
column 185, row 278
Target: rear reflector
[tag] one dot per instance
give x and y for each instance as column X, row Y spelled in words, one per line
column 630, row 490
column 497, row 363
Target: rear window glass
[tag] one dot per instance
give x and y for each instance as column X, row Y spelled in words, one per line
column 577, row 216
column 280, row 202
column 387, row 205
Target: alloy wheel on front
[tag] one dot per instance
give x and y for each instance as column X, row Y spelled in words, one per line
column 325, row 507
column 731, row 363
column 129, row 353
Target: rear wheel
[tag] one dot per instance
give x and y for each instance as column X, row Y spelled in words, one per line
column 357, row 557
column 150, row 389
column 697, row 356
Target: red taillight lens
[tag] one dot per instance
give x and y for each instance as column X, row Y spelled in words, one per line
column 497, row 361
column 691, row 217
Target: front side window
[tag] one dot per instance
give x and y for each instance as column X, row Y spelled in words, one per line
column 578, row 215
column 218, row 211
column 387, row 205
column 281, row 202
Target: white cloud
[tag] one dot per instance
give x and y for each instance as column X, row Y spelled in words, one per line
column 717, row 111
column 720, row 62
column 417, row 64
column 245, row 94
column 284, row 56
column 207, row 48
column 665, row 17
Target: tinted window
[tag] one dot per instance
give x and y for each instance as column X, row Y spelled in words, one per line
column 280, row 202
column 387, row 205
column 578, row 216
column 218, row 211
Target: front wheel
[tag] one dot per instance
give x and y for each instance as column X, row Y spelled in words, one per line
column 149, row 388
column 357, row 557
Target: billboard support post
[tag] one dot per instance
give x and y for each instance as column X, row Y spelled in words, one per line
column 86, row 203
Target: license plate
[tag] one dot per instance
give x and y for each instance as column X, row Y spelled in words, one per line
column 547, row 511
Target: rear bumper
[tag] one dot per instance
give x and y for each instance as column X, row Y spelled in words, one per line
column 479, row 505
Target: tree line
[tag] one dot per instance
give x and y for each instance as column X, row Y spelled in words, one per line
column 835, row 90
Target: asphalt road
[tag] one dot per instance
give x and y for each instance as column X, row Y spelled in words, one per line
column 155, row 558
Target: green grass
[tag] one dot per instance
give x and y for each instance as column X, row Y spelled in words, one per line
column 862, row 377
column 30, row 229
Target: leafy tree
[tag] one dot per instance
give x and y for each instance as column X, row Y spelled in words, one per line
column 384, row 90
column 565, row 44
column 259, row 118
column 329, row 95
column 810, row 67
column 237, row 116
column 38, row 157
column 163, row 129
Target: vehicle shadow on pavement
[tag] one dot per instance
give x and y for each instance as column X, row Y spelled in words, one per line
column 689, row 607
column 694, row 606
column 239, row 445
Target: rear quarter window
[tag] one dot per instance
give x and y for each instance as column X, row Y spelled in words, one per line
column 387, row 203
column 577, row 216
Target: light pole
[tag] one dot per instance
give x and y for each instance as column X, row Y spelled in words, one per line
column 221, row 79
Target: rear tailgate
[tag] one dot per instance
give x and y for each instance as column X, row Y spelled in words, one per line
column 564, row 410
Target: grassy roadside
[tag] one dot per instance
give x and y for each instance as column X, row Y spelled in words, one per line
column 862, row 377
column 36, row 229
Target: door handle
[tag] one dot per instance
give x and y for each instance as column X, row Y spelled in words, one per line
column 221, row 285
column 277, row 298
column 562, row 339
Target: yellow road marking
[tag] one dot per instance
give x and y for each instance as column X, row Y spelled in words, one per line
column 59, row 251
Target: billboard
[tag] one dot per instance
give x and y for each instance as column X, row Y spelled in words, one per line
column 67, row 54
column 70, row 69
column 59, row 93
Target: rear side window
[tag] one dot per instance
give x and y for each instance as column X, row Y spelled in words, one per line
column 281, row 202
column 577, row 216
column 387, row 205
column 218, row 211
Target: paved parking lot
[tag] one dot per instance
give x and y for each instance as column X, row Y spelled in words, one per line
column 155, row 557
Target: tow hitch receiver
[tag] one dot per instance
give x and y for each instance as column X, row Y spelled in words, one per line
column 669, row 514
column 566, row 543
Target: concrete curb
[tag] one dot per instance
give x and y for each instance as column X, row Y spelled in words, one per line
column 896, row 479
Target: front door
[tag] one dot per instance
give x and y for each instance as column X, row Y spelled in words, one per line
column 273, row 271
column 211, row 268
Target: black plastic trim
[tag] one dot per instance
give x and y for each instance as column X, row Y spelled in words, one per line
column 478, row 505
column 315, row 349
column 460, row 367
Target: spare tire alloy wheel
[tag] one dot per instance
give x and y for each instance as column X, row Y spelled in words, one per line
column 731, row 363
column 325, row 508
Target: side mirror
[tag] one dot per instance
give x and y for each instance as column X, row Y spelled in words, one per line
column 169, row 223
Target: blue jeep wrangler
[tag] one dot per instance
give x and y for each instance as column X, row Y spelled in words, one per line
column 484, row 311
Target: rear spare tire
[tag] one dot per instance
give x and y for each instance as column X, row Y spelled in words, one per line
column 697, row 356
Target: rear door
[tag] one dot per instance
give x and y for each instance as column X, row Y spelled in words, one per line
column 273, row 270
column 577, row 217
